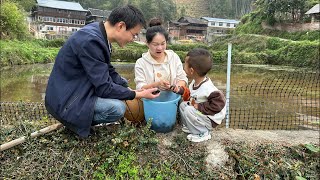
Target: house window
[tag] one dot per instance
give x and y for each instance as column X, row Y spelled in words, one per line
column 220, row 23
column 49, row 28
column 228, row 24
column 60, row 20
column 48, row 19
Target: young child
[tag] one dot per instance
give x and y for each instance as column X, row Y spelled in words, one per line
column 206, row 106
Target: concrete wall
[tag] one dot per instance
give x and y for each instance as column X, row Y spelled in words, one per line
column 293, row 27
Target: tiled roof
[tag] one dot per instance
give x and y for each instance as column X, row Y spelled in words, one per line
column 220, row 20
column 99, row 12
column 60, row 5
column 179, row 23
column 314, row 10
column 186, row 19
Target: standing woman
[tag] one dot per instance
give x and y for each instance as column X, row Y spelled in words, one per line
column 159, row 67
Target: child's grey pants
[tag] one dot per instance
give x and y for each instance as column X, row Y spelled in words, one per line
column 195, row 121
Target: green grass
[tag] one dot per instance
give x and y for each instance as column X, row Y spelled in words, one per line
column 26, row 52
column 129, row 152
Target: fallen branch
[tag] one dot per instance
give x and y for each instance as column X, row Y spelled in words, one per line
column 34, row 134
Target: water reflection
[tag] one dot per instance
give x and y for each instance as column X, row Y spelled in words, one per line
column 24, row 83
column 28, row 82
column 261, row 97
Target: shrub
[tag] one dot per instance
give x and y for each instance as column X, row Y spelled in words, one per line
column 186, row 47
column 274, row 43
column 219, row 56
column 245, row 58
column 12, row 22
column 26, row 52
column 55, row 43
column 182, row 55
column 301, row 54
column 270, row 57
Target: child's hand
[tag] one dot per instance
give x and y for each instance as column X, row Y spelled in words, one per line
column 195, row 105
column 174, row 88
column 182, row 90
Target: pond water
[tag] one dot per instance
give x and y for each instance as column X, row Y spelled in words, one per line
column 28, row 82
column 261, row 97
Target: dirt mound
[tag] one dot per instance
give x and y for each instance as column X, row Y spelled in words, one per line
column 217, row 156
column 267, row 136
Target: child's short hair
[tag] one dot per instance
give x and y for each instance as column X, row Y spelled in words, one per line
column 200, row 61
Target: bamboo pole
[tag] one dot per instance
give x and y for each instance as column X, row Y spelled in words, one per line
column 34, row 134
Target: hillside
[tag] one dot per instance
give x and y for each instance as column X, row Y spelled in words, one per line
column 192, row 8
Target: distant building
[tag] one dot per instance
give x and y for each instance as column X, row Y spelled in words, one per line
column 56, row 19
column 314, row 12
column 218, row 26
column 188, row 28
column 96, row 15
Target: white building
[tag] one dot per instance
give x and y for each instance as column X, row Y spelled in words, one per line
column 56, row 19
column 219, row 27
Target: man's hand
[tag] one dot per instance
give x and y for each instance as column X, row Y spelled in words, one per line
column 147, row 93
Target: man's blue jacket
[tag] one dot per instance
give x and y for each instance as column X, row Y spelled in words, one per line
column 82, row 72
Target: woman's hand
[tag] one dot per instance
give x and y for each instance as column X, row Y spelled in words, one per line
column 163, row 85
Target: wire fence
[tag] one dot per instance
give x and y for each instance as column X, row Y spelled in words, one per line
column 14, row 112
column 289, row 101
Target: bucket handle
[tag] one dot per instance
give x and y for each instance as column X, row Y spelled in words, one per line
column 177, row 104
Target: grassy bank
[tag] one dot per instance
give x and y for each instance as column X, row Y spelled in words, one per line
column 128, row 152
column 28, row 52
column 259, row 49
column 247, row 49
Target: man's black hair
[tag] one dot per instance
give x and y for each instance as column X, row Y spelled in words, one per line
column 129, row 14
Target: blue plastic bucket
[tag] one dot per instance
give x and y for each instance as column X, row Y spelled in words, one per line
column 162, row 111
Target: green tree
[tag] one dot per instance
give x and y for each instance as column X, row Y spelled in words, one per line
column 148, row 10
column 273, row 11
column 27, row 5
column 182, row 12
column 12, row 21
column 111, row 4
column 164, row 9
column 230, row 8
